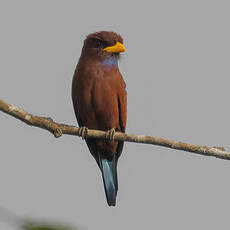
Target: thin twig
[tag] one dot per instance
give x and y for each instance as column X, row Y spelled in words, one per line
column 59, row 129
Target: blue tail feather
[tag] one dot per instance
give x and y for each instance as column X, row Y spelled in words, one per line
column 109, row 174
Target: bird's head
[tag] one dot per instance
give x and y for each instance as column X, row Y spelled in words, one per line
column 103, row 44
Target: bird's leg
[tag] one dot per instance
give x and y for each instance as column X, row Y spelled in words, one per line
column 83, row 132
column 110, row 134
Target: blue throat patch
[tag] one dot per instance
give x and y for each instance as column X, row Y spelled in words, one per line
column 110, row 61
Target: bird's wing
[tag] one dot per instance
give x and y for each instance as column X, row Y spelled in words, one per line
column 79, row 121
column 122, row 107
column 122, row 113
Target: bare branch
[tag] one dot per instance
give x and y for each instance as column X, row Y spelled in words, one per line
column 59, row 129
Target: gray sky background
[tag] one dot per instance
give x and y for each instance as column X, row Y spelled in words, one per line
column 177, row 72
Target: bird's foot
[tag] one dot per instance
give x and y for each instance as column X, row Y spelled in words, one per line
column 110, row 134
column 83, row 132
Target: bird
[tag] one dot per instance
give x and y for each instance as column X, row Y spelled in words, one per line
column 100, row 102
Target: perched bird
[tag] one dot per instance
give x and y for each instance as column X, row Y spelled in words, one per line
column 99, row 100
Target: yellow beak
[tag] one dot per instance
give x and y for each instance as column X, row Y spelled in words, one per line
column 117, row 48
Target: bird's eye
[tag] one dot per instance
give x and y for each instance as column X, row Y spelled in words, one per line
column 99, row 44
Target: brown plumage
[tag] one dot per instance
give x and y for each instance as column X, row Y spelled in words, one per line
column 99, row 100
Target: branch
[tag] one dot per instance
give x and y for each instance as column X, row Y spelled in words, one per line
column 59, row 129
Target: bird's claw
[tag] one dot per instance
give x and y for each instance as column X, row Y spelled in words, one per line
column 110, row 134
column 83, row 132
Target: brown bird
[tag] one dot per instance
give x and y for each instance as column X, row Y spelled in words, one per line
column 99, row 100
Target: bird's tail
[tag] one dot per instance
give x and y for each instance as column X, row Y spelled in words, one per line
column 109, row 174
